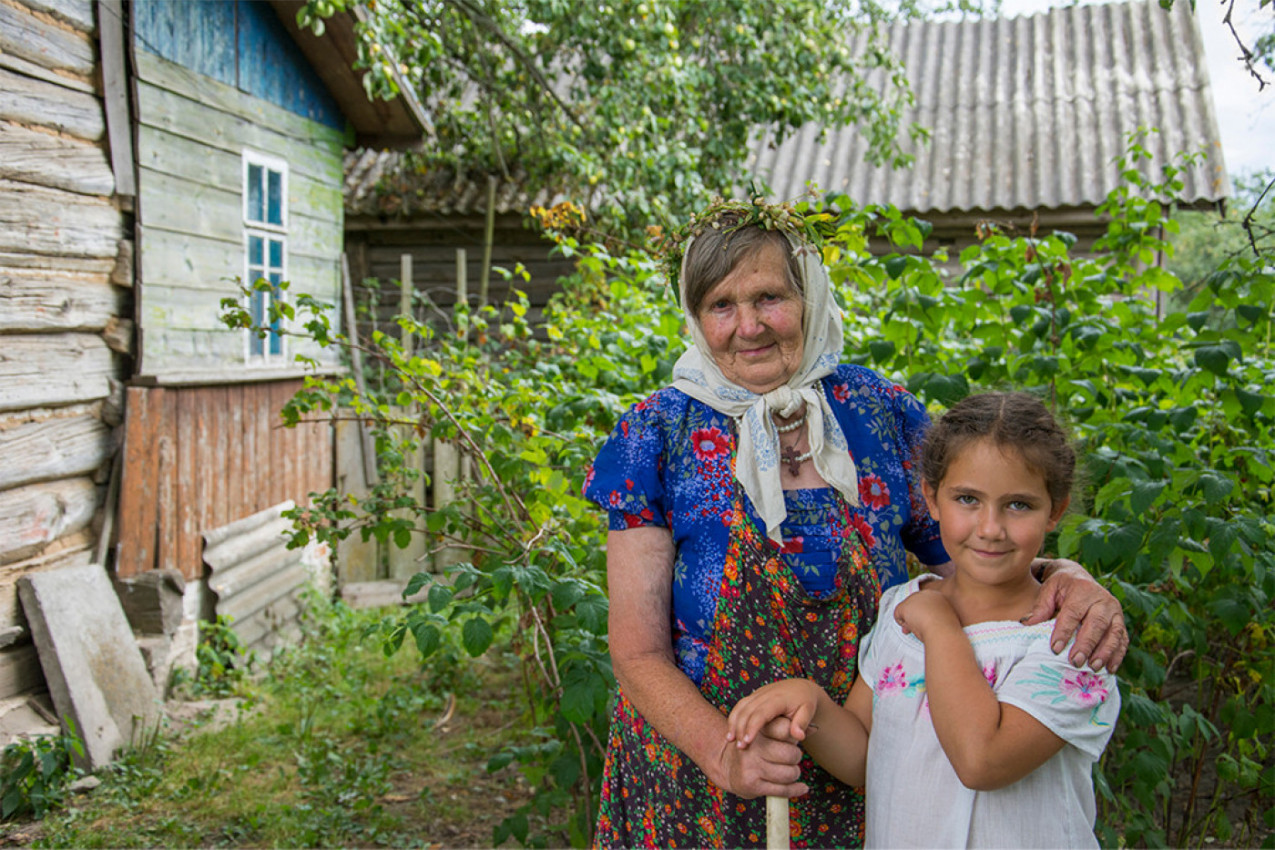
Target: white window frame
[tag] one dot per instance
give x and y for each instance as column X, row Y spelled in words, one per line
column 268, row 232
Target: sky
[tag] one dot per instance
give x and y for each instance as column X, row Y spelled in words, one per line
column 1246, row 118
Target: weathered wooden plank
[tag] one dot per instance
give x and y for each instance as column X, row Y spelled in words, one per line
column 165, row 413
column 47, row 370
column 29, row 37
column 215, row 460
column 205, row 512
column 20, row 259
column 77, row 13
column 192, row 261
column 195, row 160
column 40, row 301
column 253, row 451
column 201, row 211
column 44, row 104
column 20, row 670
column 45, row 446
column 236, row 485
column 189, row 544
column 33, row 516
column 138, row 482
column 177, row 204
column 182, row 308
column 115, row 90
column 200, row 87
column 36, row 220
column 72, row 551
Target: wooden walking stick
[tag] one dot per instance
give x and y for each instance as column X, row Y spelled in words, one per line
column 776, row 823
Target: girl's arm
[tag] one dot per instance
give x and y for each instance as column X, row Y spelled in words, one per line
column 835, row 736
column 990, row 745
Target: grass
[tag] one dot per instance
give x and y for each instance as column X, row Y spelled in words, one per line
column 336, row 745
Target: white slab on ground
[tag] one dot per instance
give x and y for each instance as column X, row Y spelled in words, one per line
column 90, row 658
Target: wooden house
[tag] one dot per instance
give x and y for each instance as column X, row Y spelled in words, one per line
column 153, row 155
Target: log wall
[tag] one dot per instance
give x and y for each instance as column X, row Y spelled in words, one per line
column 65, row 306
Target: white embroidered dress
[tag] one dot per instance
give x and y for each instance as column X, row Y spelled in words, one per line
column 914, row 798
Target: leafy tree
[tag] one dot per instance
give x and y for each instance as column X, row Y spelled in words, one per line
column 639, row 108
column 1207, row 241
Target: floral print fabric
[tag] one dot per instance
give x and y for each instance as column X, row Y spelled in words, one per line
column 767, row 628
column 1051, row 807
column 668, row 463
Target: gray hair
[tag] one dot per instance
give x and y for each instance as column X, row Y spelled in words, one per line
column 721, row 247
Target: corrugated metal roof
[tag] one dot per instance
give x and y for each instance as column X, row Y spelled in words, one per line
column 383, row 183
column 1026, row 113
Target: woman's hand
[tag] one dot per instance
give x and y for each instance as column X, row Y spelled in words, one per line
column 767, row 767
column 1077, row 600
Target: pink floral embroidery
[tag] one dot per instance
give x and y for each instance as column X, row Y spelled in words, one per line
column 841, row 392
column 989, row 673
column 892, row 679
column 1085, row 687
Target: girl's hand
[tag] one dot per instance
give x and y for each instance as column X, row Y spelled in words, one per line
column 1083, row 608
column 793, row 700
column 924, row 610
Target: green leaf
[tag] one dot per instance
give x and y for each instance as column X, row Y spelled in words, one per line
column 592, row 613
column 476, row 636
column 1216, row 487
column 427, row 637
column 415, row 583
column 440, row 596
column 881, row 350
column 1144, row 495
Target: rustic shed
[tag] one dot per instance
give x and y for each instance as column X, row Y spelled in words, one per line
column 394, row 209
column 152, row 155
column 1026, row 117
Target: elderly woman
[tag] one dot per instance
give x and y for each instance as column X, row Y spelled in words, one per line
column 758, row 507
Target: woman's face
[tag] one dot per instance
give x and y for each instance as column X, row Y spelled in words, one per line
column 752, row 322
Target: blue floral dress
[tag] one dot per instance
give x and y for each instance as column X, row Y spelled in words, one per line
column 669, row 463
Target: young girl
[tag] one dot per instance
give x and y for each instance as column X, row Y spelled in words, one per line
column 952, row 762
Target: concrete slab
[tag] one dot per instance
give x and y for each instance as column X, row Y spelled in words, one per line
column 90, row 659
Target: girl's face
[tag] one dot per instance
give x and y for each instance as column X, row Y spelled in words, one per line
column 993, row 512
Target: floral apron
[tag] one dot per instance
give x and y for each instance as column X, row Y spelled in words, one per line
column 766, row 628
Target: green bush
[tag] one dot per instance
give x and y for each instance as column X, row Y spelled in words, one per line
column 1172, row 413
column 35, row 773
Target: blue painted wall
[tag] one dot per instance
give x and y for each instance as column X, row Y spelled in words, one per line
column 240, row 43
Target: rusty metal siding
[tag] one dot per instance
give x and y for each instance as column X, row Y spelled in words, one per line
column 1026, row 113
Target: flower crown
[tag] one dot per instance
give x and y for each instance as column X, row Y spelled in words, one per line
column 793, row 218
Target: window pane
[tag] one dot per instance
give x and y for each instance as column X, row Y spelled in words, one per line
column 256, row 250
column 276, row 254
column 276, row 341
column 276, row 198
column 256, row 195
column 256, row 345
column 254, row 273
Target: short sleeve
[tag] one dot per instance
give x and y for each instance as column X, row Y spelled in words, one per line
column 626, row 475
column 1078, row 705
column 872, row 645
